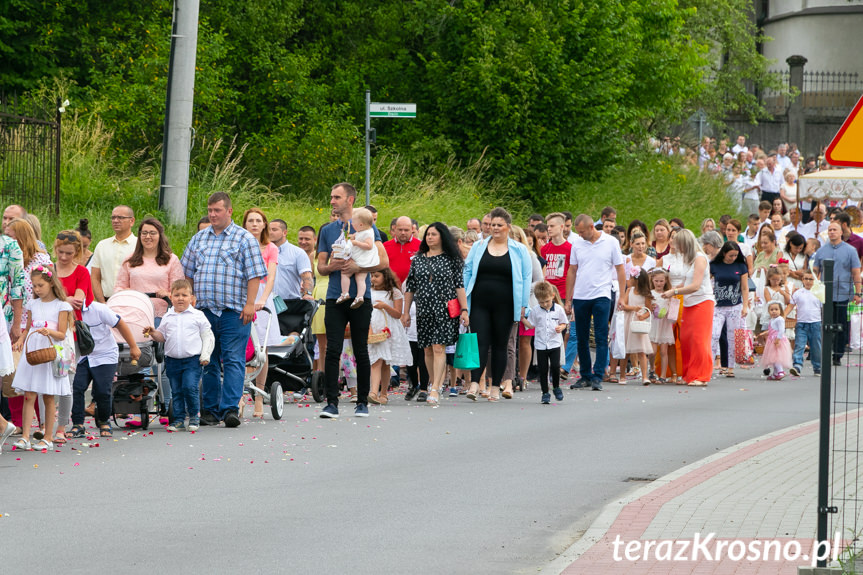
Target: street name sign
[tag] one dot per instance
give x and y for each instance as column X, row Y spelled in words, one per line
column 387, row 110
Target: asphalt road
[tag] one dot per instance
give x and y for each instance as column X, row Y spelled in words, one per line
column 462, row 488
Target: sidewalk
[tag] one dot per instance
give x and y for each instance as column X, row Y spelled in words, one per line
column 763, row 489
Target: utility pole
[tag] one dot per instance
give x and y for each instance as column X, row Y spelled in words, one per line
column 368, row 146
column 177, row 138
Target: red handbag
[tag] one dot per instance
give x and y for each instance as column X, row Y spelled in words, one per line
column 453, row 307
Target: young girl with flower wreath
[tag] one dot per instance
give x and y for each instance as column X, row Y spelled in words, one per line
column 48, row 317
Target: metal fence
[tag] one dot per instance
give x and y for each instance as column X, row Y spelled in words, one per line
column 823, row 93
column 776, row 101
column 29, row 154
column 840, row 500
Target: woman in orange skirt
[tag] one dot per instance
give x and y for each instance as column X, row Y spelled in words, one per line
column 696, row 327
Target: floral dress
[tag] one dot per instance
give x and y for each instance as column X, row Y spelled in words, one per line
column 433, row 281
column 11, row 274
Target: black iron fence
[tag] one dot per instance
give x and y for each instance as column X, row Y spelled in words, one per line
column 824, row 93
column 29, row 155
column 840, row 499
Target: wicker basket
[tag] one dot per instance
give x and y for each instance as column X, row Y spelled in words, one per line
column 790, row 322
column 383, row 335
column 39, row 356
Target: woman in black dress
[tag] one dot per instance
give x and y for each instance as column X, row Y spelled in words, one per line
column 497, row 274
column 435, row 279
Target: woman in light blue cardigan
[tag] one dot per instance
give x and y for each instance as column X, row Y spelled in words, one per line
column 498, row 271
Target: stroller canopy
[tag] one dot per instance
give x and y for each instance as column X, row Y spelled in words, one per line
column 136, row 309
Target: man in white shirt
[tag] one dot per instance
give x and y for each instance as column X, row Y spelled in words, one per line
column 795, row 224
column 111, row 252
column 594, row 259
column 817, row 225
column 740, row 146
column 769, row 180
column 783, row 162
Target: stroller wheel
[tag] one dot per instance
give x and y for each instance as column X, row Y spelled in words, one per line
column 277, row 400
column 145, row 416
column 317, row 385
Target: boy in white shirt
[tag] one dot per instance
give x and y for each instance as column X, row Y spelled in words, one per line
column 808, row 328
column 548, row 319
column 99, row 366
column 188, row 342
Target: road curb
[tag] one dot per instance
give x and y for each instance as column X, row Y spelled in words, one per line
column 610, row 512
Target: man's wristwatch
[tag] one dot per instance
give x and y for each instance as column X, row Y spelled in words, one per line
column 308, row 292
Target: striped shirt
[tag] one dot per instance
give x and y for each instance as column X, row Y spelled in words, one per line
column 221, row 266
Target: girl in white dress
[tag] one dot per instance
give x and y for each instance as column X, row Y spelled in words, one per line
column 637, row 304
column 48, row 317
column 661, row 328
column 387, row 302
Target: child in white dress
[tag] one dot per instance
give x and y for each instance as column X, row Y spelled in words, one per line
column 637, row 303
column 48, row 318
column 387, row 302
column 661, row 328
column 363, row 251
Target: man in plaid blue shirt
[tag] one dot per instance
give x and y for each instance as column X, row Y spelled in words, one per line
column 225, row 266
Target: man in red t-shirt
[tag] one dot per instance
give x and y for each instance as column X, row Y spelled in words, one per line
column 556, row 253
column 402, row 248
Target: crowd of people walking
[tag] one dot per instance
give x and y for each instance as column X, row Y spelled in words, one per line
column 564, row 298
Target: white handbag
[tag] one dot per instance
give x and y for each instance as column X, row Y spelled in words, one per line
column 641, row 325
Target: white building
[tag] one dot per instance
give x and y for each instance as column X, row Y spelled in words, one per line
column 828, row 33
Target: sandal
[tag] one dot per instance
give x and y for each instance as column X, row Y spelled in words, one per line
column 384, row 399
column 433, row 399
column 506, row 393
column 660, row 381
column 697, row 383
column 494, row 396
column 646, row 382
column 473, row 392
column 612, row 379
column 77, row 431
column 105, row 430
column 729, row 373
column 373, row 399
column 60, row 437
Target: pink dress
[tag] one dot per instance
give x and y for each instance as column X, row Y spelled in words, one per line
column 776, row 354
column 150, row 277
column 270, row 253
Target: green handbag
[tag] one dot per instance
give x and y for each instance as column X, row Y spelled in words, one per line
column 466, row 352
column 279, row 304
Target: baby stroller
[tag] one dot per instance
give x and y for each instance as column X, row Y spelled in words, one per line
column 256, row 355
column 133, row 391
column 292, row 366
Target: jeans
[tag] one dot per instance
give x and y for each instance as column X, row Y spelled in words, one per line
column 102, row 376
column 184, row 375
column 336, row 320
column 571, row 348
column 223, row 377
column 598, row 309
column 807, row 333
